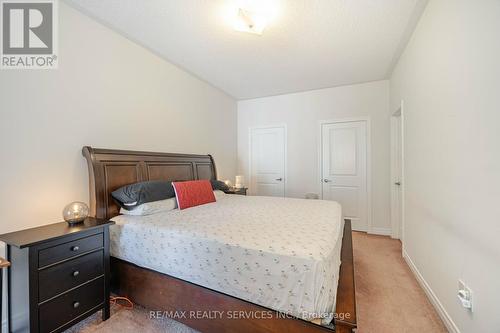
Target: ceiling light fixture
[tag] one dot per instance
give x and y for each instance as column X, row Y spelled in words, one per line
column 251, row 16
column 251, row 22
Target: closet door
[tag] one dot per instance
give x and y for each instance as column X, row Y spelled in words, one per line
column 267, row 161
column 344, row 169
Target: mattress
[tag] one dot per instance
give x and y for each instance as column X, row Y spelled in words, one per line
column 281, row 253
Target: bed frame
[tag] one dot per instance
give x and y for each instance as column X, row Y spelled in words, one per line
column 111, row 169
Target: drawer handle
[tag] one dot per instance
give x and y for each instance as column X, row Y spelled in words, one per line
column 76, row 304
column 75, row 248
column 76, row 273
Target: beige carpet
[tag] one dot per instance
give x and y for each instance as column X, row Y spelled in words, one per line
column 124, row 321
column 389, row 298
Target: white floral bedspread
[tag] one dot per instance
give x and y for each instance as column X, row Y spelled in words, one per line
column 280, row 253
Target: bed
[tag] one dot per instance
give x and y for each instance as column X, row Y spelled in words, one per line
column 246, row 264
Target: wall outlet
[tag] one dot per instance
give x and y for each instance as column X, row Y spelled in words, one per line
column 464, row 295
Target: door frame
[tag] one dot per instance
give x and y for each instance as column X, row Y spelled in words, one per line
column 285, row 139
column 397, row 226
column 366, row 119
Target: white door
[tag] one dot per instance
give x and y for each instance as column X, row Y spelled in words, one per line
column 397, row 175
column 344, row 169
column 267, row 161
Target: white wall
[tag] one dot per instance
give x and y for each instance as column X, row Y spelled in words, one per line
column 301, row 112
column 449, row 79
column 108, row 92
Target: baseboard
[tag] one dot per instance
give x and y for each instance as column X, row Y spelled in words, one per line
column 4, row 322
column 381, row 231
column 445, row 317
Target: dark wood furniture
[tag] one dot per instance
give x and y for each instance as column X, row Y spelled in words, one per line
column 239, row 191
column 111, row 169
column 59, row 275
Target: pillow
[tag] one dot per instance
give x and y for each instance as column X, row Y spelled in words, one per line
column 153, row 207
column 219, row 195
column 219, row 185
column 131, row 196
column 193, row 193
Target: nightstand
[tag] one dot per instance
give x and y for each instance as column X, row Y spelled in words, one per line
column 59, row 275
column 239, row 191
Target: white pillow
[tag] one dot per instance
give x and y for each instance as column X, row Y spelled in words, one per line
column 219, row 195
column 153, row 207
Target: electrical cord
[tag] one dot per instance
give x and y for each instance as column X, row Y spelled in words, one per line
column 117, row 299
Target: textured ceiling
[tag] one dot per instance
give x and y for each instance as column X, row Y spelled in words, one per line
column 310, row 44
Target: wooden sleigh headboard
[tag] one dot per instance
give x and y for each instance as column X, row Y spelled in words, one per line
column 111, row 169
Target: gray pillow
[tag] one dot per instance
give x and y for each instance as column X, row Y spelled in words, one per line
column 133, row 195
column 219, row 185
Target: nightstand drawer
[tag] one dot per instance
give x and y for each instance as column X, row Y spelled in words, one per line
column 69, row 306
column 67, row 250
column 59, row 278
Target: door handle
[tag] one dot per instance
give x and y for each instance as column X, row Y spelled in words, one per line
column 326, row 180
column 279, row 179
column 397, row 183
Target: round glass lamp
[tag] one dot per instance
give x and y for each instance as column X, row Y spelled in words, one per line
column 75, row 212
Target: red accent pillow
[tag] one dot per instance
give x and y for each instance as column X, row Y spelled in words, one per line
column 193, row 193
